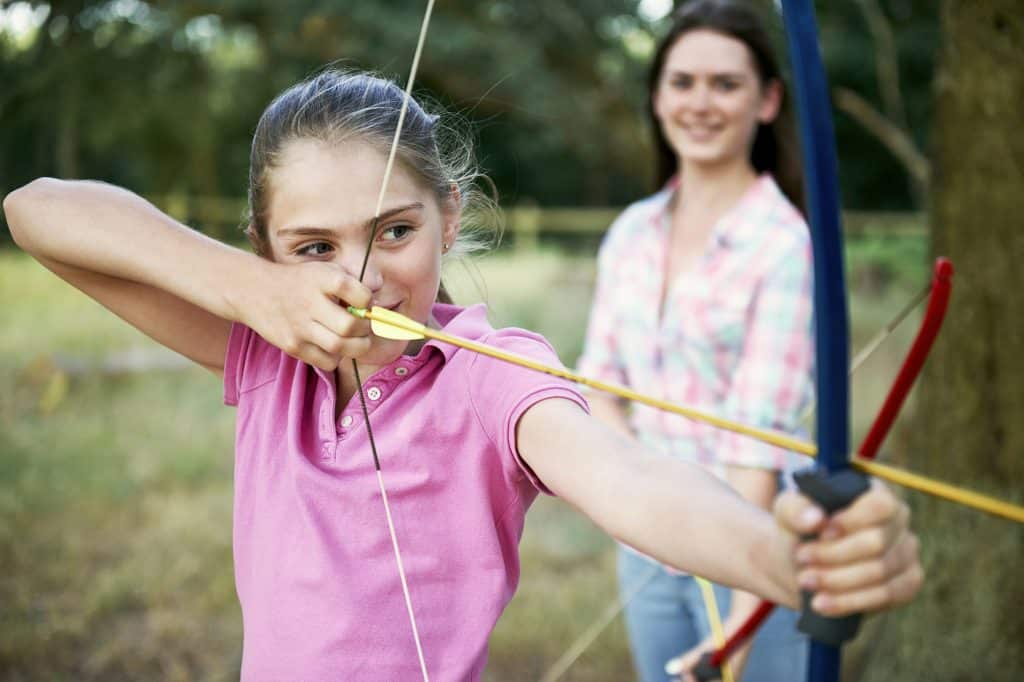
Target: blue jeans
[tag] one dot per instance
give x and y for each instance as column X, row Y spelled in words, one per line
column 667, row 618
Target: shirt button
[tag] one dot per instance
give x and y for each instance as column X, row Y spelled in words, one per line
column 373, row 393
column 401, row 371
column 326, row 451
column 346, row 421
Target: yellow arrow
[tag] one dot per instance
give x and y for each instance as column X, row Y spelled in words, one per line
column 391, row 325
column 946, row 491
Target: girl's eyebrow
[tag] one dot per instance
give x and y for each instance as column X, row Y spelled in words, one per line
column 327, row 232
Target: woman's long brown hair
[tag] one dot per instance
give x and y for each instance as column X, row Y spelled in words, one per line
column 775, row 149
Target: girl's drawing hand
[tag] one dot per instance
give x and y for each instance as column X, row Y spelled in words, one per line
column 865, row 557
column 300, row 308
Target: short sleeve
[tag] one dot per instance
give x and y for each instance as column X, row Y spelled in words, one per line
column 772, row 382
column 501, row 392
column 239, row 341
column 249, row 361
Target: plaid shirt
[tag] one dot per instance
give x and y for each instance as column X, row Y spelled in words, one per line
column 735, row 337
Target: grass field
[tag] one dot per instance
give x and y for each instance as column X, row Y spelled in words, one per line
column 115, row 488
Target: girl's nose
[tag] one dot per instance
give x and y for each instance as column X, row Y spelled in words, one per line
column 351, row 261
column 372, row 278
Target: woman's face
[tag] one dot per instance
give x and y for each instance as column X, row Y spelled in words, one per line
column 321, row 207
column 710, row 99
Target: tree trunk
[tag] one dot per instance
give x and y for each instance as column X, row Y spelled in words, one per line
column 969, row 426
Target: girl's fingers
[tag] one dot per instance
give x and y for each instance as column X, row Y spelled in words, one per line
column 338, row 346
column 798, row 514
column 901, row 556
column 878, row 505
column 866, row 533
column 897, row 590
column 333, row 315
column 314, row 355
column 340, row 285
column 339, row 322
column 325, row 349
column 863, row 559
column 866, row 544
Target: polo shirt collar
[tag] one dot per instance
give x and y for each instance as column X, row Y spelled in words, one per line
column 468, row 323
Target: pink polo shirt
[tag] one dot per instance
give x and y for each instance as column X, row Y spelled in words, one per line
column 314, row 568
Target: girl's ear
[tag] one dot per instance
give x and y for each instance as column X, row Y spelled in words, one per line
column 452, row 216
column 771, row 101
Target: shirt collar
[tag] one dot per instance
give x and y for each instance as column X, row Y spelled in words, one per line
column 735, row 226
column 468, row 323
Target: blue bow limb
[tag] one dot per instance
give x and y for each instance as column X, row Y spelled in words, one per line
column 817, row 141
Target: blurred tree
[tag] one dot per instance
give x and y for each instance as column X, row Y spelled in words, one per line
column 968, row 625
column 162, row 97
column 889, row 123
column 95, row 82
column 881, row 53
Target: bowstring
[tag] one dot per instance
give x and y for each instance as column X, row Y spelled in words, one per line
column 355, row 368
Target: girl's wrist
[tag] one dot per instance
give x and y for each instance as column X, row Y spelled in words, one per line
column 783, row 546
column 243, row 287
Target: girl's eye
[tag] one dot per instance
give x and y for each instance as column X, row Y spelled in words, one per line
column 682, row 82
column 395, row 233
column 726, row 85
column 315, row 249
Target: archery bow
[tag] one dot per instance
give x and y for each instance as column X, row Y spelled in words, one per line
column 831, row 322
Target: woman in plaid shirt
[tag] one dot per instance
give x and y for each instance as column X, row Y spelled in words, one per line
column 704, row 298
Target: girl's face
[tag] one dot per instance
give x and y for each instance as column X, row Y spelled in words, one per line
column 710, row 99
column 321, row 206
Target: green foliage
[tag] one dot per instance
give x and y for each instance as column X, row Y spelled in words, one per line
column 163, row 97
column 877, row 262
column 871, row 177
